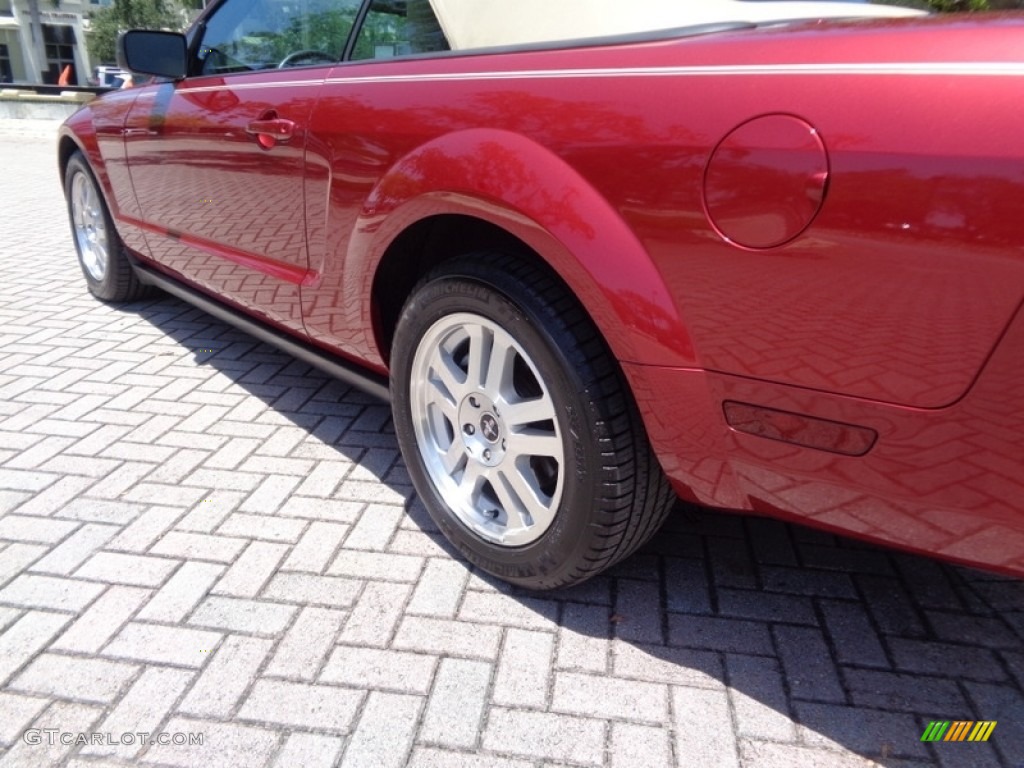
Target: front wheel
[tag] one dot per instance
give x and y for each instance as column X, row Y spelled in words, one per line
column 108, row 273
column 517, row 427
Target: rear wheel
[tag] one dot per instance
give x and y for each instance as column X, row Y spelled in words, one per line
column 108, row 273
column 517, row 427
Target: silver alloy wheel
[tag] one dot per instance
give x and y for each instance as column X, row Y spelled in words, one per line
column 90, row 226
column 486, row 429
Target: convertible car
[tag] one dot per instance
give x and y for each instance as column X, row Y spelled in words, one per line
column 599, row 255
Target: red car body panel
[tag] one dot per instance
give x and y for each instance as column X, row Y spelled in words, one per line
column 823, row 219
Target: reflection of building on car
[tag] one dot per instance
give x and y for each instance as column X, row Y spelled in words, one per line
column 593, row 276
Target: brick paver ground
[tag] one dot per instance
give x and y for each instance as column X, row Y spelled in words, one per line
column 199, row 534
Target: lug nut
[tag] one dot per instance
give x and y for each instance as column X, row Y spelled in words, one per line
column 487, row 455
column 474, row 402
column 468, row 429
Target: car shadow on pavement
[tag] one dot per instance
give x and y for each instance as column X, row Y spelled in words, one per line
column 778, row 643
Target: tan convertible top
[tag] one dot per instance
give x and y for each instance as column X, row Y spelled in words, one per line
column 486, row 23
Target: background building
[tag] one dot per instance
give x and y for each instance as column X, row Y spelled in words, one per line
column 40, row 57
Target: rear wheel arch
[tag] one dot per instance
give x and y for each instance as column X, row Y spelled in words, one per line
column 584, row 240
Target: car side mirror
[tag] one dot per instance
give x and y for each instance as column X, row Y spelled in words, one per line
column 164, row 54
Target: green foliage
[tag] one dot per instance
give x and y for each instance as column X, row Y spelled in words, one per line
column 108, row 22
column 946, row 6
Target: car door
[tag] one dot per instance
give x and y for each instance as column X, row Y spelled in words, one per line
column 216, row 159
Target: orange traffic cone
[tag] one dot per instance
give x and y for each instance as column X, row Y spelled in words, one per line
column 65, row 76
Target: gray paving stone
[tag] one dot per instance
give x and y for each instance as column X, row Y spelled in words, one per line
column 582, row 639
column 658, row 664
column 43, row 530
column 17, row 711
column 141, row 710
column 52, row 500
column 68, row 677
column 331, row 591
column 524, row 669
column 718, row 634
column 162, row 644
column 14, row 558
column 60, row 717
column 431, row 757
column 225, row 745
column 456, row 704
column 496, row 608
column 868, row 732
column 251, row 570
column 688, row 590
column 697, row 740
column 329, row 510
column 267, row 527
column 929, row 658
column 309, row 750
column 181, row 593
column 323, row 707
column 639, row 746
column 766, row 754
column 227, row 676
column 316, row 547
column 545, row 735
column 133, row 570
column 378, row 669
column 53, row 592
column 102, row 620
column 384, row 734
column 860, row 644
column 808, row 664
column 198, row 546
column 375, row 527
column 373, row 565
column 477, row 641
column 895, row 692
column 375, row 615
column 74, row 550
column 303, row 649
column 745, row 604
column 609, row 698
column 757, row 692
column 638, row 611
column 253, row 617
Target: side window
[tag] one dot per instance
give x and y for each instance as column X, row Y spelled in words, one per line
column 399, row 28
column 243, row 36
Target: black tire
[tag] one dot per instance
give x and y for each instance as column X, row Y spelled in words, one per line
column 92, row 229
column 612, row 495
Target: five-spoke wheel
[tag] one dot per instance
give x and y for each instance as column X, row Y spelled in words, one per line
column 486, row 429
column 108, row 273
column 517, row 427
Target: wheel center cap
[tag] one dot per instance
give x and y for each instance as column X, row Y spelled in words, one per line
column 489, row 428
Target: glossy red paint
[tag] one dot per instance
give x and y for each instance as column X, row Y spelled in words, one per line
column 821, row 219
column 765, row 182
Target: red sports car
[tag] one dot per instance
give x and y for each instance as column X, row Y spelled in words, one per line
column 760, row 256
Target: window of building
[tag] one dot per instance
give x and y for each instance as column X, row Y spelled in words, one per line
column 59, row 40
column 6, row 75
